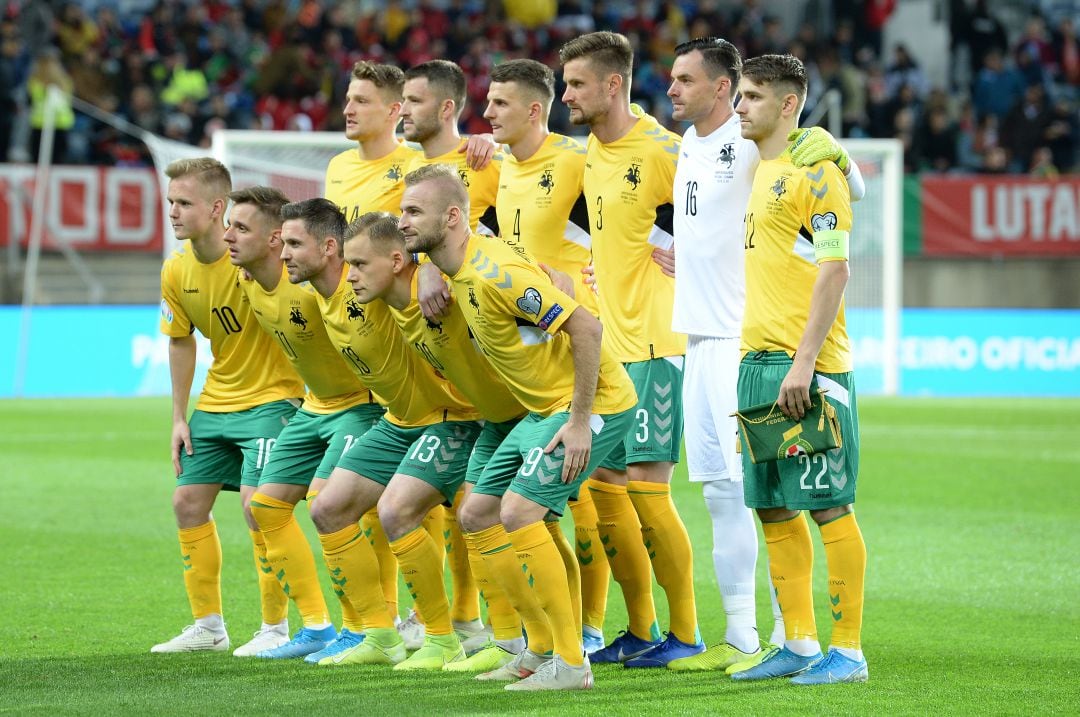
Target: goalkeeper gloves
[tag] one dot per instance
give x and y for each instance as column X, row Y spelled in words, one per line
column 813, row 145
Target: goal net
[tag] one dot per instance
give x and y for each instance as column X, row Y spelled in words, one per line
column 295, row 162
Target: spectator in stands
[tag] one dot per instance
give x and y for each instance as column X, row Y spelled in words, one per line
column 75, row 33
column 1061, row 132
column 936, row 141
column 14, row 68
column 1066, row 47
column 982, row 32
column 1024, row 127
column 142, row 109
column 997, row 87
column 905, row 71
column 1042, row 164
column 47, row 71
column 183, row 81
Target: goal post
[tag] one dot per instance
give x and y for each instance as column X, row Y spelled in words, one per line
column 294, row 162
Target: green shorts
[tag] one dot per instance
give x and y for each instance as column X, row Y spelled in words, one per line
column 823, row 480
column 655, row 434
column 437, row 454
column 232, row 448
column 491, row 437
column 312, row 443
column 520, row 465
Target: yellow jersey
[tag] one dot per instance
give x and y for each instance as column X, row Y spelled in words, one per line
column 628, row 186
column 449, row 348
column 787, row 207
column 373, row 347
column 359, row 186
column 515, row 313
column 483, row 186
column 290, row 313
column 248, row 368
column 542, row 210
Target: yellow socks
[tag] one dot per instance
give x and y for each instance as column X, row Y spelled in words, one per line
column 845, row 553
column 594, row 568
column 466, row 605
column 290, row 556
column 350, row 618
column 573, row 573
column 668, row 545
column 200, row 550
column 791, row 564
column 502, row 564
column 388, row 567
column 421, row 564
column 505, row 623
column 620, row 536
column 354, row 571
column 274, row 602
column 545, row 572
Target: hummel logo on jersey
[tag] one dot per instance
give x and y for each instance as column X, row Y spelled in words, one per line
column 530, row 302
column 779, row 187
column 633, row 176
column 296, row 318
column 354, row 310
column 547, row 182
column 191, row 291
column 727, row 155
column 394, row 173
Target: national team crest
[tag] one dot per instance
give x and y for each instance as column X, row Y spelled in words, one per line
column 433, row 325
column 473, row 302
column 464, row 177
column 779, row 187
column 354, row 310
column 296, row 318
column 633, row 176
column 394, row 173
column 727, row 155
column 547, row 182
column 794, row 444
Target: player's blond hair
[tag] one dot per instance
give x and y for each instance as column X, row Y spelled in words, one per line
column 389, row 80
column 607, row 52
column 381, row 228
column 451, row 189
column 267, row 200
column 212, row 175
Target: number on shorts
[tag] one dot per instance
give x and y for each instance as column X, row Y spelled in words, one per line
column 532, row 460
column 642, row 434
column 424, row 449
column 265, row 444
column 819, row 482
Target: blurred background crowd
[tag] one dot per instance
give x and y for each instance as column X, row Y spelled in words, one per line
column 183, row 68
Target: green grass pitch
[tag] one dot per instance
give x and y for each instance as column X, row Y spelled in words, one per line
column 970, row 511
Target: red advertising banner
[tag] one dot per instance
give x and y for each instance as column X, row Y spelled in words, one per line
column 1000, row 215
column 89, row 208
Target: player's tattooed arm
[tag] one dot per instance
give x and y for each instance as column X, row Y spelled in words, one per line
column 181, row 371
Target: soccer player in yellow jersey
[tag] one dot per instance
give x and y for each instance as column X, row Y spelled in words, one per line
column 337, row 410
column 794, row 344
column 547, row 349
column 249, row 394
column 381, row 268
column 541, row 209
column 411, row 461
column 433, row 100
column 629, row 170
column 368, row 178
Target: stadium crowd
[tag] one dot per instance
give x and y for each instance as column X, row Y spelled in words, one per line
column 184, row 69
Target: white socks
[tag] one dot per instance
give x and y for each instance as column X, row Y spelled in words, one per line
column 735, row 549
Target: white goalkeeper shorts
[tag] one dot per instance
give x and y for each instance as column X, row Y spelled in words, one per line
column 709, row 399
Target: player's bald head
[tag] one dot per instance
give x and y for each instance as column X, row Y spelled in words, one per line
column 448, row 189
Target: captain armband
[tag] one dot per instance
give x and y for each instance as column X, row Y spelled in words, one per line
column 831, row 245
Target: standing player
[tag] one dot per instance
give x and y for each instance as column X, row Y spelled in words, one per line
column 434, row 96
column 794, row 343
column 249, row 394
column 417, row 453
column 337, row 410
column 629, row 170
column 712, row 186
column 381, row 268
column 541, row 210
column 548, row 351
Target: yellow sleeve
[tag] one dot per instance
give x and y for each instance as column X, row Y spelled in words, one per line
column 529, row 295
column 174, row 321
